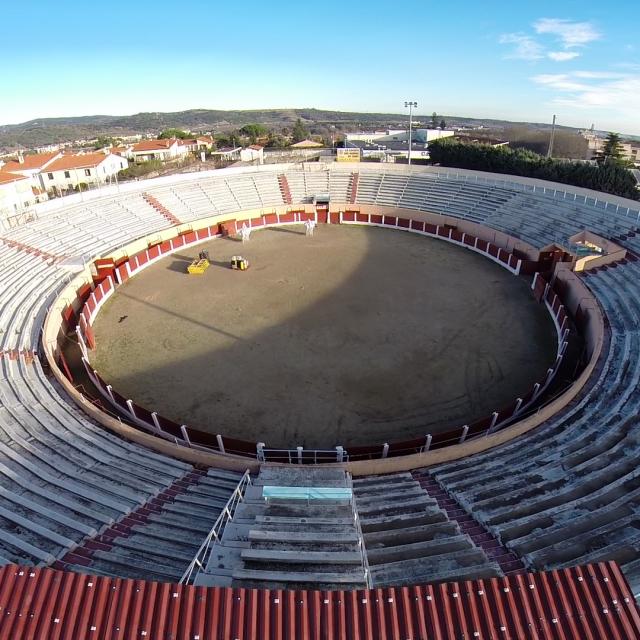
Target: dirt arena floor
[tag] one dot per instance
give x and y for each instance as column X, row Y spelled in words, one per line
column 357, row 335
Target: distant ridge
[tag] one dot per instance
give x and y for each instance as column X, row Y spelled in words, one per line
column 44, row 131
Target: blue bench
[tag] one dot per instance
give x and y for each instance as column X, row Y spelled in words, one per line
column 307, row 493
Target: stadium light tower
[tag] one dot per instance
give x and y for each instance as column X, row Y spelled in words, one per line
column 410, row 104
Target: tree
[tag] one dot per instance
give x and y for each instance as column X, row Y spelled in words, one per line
column 434, row 120
column 611, row 177
column 104, row 141
column 612, row 146
column 174, row 133
column 300, row 132
column 254, row 131
column 443, row 124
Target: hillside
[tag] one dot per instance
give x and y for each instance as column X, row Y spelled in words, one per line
column 40, row 132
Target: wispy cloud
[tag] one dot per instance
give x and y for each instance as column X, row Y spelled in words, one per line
column 524, row 46
column 562, row 56
column 610, row 93
column 570, row 34
column 568, row 37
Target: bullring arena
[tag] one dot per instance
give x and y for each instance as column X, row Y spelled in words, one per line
column 521, row 506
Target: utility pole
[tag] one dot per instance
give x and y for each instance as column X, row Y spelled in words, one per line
column 410, row 104
column 553, row 134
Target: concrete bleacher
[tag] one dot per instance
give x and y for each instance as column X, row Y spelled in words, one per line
column 159, row 540
column 409, row 539
column 570, row 494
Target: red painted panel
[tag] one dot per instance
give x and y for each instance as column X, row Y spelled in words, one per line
column 349, row 216
column 122, row 273
column 363, row 217
column 404, row 223
column 417, row 225
column 469, row 240
column 322, row 216
column 456, row 235
column 179, row 241
column 165, row 246
column 154, row 252
column 288, row 217
column 482, row 244
column 389, row 220
column 443, row 232
column 430, row 228
column 270, row 218
column 492, row 250
column 256, row 222
column 334, row 216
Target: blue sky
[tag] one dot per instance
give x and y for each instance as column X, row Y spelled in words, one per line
column 518, row 60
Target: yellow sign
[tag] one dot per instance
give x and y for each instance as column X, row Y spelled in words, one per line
column 348, row 155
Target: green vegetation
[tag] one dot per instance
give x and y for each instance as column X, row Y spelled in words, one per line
column 300, row 132
column 254, row 131
column 141, row 169
column 612, row 147
column 105, row 141
column 609, row 177
column 174, row 133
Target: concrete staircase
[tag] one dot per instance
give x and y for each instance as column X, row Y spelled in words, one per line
column 353, row 188
column 480, row 535
column 158, row 540
column 285, row 543
column 161, row 209
column 410, row 539
column 45, row 255
column 284, row 189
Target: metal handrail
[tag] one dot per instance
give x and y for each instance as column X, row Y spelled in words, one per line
column 361, row 545
column 201, row 558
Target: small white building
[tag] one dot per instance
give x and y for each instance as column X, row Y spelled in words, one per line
column 67, row 172
column 253, row 153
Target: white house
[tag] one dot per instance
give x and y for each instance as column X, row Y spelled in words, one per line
column 16, row 193
column 167, row 149
column 67, row 172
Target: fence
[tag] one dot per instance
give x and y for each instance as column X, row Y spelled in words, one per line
column 184, row 435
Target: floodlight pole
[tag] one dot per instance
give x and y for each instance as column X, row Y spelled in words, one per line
column 553, row 134
column 410, row 104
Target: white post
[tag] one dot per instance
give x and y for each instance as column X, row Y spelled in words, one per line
column 83, row 346
column 518, row 405
column 299, row 450
column 535, row 279
column 339, row 454
column 494, row 420
column 110, row 392
column 131, row 411
column 427, row 442
column 260, row 451
column 385, row 449
column 185, row 435
column 536, row 390
column 465, row 431
column 220, row 443
column 156, row 422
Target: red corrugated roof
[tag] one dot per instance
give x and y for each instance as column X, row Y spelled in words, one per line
column 592, row 601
